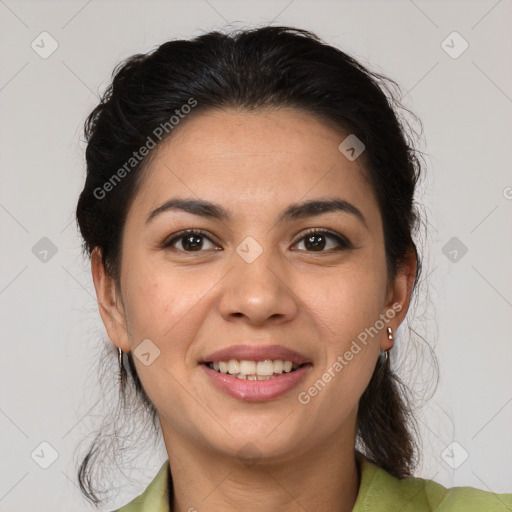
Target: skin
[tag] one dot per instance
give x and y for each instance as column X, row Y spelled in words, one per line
column 192, row 303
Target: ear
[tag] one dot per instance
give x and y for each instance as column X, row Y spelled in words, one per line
column 109, row 303
column 399, row 296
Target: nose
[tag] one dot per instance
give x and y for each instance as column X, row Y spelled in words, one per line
column 258, row 292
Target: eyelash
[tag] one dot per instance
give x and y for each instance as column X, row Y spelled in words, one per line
column 342, row 241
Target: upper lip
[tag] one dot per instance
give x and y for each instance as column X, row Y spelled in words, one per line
column 255, row 353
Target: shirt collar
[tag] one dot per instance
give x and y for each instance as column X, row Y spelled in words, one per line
column 377, row 491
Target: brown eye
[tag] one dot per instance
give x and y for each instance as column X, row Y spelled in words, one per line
column 191, row 240
column 317, row 241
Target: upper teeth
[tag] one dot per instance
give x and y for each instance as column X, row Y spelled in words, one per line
column 261, row 368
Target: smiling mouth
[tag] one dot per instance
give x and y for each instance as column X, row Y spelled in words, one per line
column 254, row 370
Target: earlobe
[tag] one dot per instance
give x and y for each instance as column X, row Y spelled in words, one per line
column 109, row 303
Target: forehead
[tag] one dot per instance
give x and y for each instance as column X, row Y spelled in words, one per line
column 254, row 162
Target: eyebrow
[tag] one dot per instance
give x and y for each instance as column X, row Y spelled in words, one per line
column 295, row 211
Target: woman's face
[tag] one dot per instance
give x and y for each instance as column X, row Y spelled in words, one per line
column 254, row 278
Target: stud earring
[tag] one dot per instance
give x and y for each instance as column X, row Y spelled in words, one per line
column 385, row 353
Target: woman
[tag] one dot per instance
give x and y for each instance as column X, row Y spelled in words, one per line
column 248, row 210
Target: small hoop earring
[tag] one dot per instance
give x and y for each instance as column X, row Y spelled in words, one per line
column 390, row 333
column 122, row 369
column 385, row 355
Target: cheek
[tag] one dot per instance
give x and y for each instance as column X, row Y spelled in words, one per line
column 161, row 301
column 345, row 302
column 344, row 317
column 167, row 308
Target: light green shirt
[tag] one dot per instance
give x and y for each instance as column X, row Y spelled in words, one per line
column 378, row 492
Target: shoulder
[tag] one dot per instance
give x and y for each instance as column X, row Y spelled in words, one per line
column 156, row 496
column 380, row 491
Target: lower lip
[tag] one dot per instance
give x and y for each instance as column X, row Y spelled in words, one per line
column 256, row 390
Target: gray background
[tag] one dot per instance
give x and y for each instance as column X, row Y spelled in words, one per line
column 50, row 328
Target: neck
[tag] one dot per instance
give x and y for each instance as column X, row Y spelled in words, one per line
column 327, row 477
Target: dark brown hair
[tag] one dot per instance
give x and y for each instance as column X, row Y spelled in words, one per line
column 268, row 67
